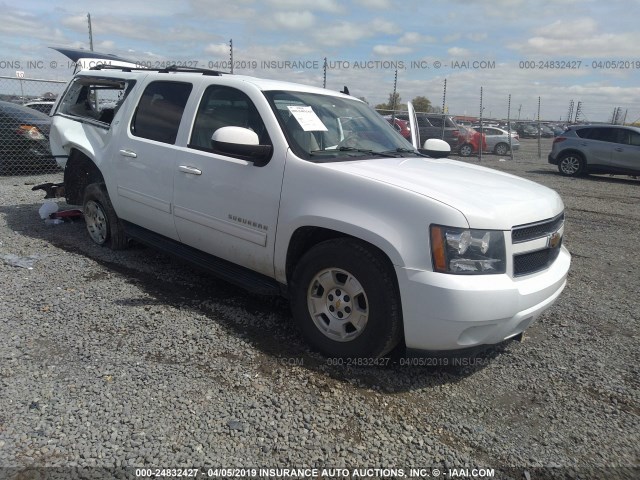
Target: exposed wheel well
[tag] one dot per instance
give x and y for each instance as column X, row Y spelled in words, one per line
column 564, row 153
column 79, row 172
column 306, row 238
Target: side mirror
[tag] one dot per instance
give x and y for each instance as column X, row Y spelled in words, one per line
column 241, row 143
column 436, row 148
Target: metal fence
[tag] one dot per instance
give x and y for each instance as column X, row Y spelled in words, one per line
column 25, row 104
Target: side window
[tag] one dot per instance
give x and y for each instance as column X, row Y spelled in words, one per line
column 95, row 98
column 225, row 107
column 583, row 132
column 629, row 137
column 436, row 121
column 160, row 110
column 603, row 134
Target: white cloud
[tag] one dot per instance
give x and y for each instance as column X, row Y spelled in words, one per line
column 453, row 37
column 346, row 33
column 217, row 49
column 293, row 20
column 458, row 52
column 477, row 37
column 415, row 38
column 566, row 29
column 390, row 50
column 321, row 5
column 377, row 4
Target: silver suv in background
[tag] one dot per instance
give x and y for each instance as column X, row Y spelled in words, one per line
column 587, row 149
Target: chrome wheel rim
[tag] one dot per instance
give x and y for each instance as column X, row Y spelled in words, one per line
column 570, row 165
column 96, row 221
column 338, row 305
column 465, row 151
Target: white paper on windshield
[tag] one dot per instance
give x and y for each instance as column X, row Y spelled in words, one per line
column 307, row 118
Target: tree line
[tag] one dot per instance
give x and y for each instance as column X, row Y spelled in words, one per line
column 420, row 104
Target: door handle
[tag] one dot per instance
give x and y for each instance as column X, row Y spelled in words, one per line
column 128, row 153
column 190, row 170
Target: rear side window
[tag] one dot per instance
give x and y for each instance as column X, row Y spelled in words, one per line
column 160, row 110
column 583, row 132
column 603, row 134
column 94, row 98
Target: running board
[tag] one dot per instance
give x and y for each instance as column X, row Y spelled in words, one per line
column 223, row 269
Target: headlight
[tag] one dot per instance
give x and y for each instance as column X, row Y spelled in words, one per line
column 467, row 251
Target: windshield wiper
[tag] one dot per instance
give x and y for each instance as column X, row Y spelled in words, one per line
column 390, row 153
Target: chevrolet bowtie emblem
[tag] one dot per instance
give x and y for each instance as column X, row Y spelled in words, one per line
column 554, row 240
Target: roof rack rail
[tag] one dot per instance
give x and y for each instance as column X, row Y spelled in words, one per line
column 168, row 69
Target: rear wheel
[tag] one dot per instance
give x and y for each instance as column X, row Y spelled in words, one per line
column 466, row 150
column 501, row 149
column 345, row 300
column 103, row 224
column 571, row 165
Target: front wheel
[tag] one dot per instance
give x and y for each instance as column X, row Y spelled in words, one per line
column 571, row 165
column 103, row 224
column 345, row 300
column 466, row 150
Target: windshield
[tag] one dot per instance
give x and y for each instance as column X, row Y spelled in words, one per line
column 324, row 128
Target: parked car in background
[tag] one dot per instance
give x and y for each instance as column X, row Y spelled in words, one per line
column 401, row 126
column 497, row 140
column 557, row 129
column 597, row 149
column 43, row 106
column 24, row 139
column 430, row 125
column 527, row 130
column 546, row 131
column 470, row 141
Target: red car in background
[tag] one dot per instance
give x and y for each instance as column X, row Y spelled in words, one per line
column 470, row 141
column 401, row 126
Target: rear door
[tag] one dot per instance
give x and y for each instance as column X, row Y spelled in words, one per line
column 600, row 142
column 144, row 163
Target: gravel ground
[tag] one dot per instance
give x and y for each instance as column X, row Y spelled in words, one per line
column 132, row 358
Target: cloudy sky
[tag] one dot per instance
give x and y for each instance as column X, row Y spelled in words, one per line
column 587, row 51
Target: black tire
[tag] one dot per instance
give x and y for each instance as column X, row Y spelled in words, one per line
column 466, row 150
column 571, row 164
column 501, row 149
column 369, row 322
column 103, row 225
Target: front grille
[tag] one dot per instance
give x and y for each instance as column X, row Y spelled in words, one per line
column 532, row 262
column 531, row 231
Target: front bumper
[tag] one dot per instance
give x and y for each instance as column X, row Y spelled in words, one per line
column 452, row 312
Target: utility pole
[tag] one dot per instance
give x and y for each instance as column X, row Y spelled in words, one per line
column 395, row 85
column 90, row 32
column 578, row 112
column 519, row 108
column 231, row 54
column 324, row 73
column 570, row 114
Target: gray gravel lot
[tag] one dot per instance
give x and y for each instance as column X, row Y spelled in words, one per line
column 133, row 358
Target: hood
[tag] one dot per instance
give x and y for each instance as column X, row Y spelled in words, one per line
column 488, row 198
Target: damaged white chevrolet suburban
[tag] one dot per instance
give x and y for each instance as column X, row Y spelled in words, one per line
column 295, row 190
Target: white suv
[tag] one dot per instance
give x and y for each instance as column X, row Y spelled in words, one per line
column 301, row 191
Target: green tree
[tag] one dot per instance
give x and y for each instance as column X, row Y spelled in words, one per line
column 422, row 104
column 392, row 103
